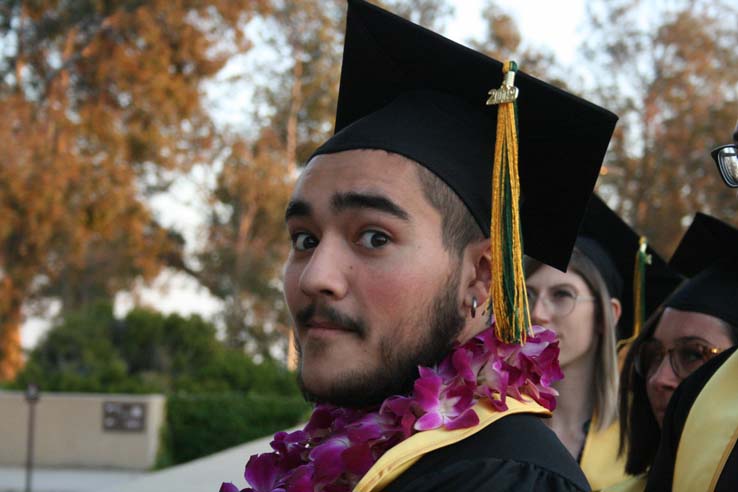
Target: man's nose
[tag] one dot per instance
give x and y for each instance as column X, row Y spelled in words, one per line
column 324, row 274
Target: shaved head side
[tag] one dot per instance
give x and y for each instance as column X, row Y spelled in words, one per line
column 458, row 227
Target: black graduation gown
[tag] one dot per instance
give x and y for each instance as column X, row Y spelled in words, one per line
column 515, row 453
column 662, row 472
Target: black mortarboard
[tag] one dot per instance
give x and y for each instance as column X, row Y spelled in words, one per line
column 410, row 91
column 708, row 255
column 612, row 245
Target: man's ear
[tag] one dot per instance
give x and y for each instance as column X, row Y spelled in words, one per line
column 477, row 270
column 617, row 309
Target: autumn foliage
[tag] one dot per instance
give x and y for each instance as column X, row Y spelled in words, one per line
column 99, row 100
column 103, row 106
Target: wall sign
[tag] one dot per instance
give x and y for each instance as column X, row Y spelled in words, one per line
column 124, row 416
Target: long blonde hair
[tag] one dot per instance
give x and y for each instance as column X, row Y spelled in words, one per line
column 606, row 378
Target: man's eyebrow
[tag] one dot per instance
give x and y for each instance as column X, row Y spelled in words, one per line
column 354, row 200
column 297, row 208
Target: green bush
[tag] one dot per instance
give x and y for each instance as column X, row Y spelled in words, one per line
column 198, row 425
column 145, row 352
column 77, row 355
column 218, row 396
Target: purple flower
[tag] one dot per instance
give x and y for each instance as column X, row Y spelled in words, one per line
column 326, row 458
column 228, row 487
column 321, row 421
column 448, row 406
column 495, row 378
column 262, row 472
column 358, row 459
column 468, row 362
column 371, row 427
column 343, row 417
column 300, row 480
column 400, row 409
column 291, row 448
column 545, row 397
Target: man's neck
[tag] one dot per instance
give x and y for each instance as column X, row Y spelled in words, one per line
column 473, row 328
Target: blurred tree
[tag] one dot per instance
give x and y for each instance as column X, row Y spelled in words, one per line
column 247, row 242
column 77, row 354
column 503, row 41
column 670, row 70
column 432, row 14
column 302, row 93
column 101, row 103
column 92, row 351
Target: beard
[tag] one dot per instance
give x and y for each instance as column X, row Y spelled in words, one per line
column 398, row 369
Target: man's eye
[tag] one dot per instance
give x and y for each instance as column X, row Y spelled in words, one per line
column 302, row 241
column 373, row 239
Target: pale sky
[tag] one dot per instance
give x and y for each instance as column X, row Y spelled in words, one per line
column 555, row 25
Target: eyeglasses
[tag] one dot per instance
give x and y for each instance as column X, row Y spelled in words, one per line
column 560, row 302
column 685, row 357
column 726, row 158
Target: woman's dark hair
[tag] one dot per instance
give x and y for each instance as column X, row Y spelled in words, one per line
column 639, row 430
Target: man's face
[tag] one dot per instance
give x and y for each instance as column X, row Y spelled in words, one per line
column 371, row 289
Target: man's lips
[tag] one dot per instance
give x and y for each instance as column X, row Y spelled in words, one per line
column 321, row 325
column 324, row 319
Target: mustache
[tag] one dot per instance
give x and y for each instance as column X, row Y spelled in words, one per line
column 333, row 316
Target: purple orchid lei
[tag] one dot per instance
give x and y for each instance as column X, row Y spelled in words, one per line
column 339, row 445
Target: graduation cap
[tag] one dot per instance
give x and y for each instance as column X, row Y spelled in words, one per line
column 633, row 272
column 407, row 90
column 708, row 256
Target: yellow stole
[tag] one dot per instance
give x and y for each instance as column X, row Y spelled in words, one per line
column 600, row 461
column 401, row 457
column 710, row 432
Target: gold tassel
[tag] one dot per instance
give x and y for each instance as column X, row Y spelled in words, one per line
column 642, row 259
column 508, row 297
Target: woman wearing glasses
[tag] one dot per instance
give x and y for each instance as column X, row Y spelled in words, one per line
column 583, row 306
column 697, row 322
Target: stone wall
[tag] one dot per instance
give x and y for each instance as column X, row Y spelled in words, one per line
column 82, row 430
